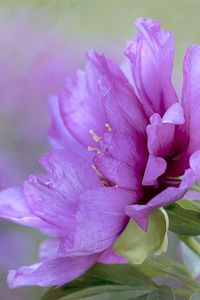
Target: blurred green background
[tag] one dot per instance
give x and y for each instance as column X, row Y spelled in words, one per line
column 77, row 26
column 111, row 21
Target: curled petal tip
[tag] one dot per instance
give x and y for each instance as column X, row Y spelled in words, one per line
column 11, row 279
column 90, row 54
column 142, row 24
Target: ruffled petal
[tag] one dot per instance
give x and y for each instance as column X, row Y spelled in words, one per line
column 101, row 215
column 99, row 222
column 117, row 172
column 13, row 207
column 55, row 198
column 125, row 148
column 69, row 172
column 187, row 137
column 122, row 154
column 72, row 200
column 100, row 218
column 51, row 272
column 151, row 55
column 191, row 97
column 120, row 102
column 81, row 108
column 59, row 136
column 49, row 204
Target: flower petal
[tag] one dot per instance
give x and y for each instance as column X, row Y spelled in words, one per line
column 151, row 55
column 160, row 141
column 191, row 96
column 124, row 147
column 127, row 154
column 117, row 172
column 101, row 211
column 110, row 257
column 51, row 272
column 13, row 207
column 81, row 107
column 69, row 172
column 119, row 100
column 195, row 162
column 59, row 136
column 160, row 136
column 155, row 167
column 49, row 249
column 49, row 204
column 100, row 219
column 174, row 114
column 55, row 198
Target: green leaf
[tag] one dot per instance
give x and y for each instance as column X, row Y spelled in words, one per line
column 136, row 244
column 184, row 217
column 111, row 292
column 107, row 292
column 112, row 280
column 193, row 205
column 164, row 267
column 162, row 293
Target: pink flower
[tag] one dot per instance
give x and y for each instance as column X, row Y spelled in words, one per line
column 143, row 154
column 70, row 204
column 152, row 136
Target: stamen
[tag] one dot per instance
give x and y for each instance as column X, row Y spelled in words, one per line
column 103, row 181
column 95, row 137
column 95, row 169
column 90, row 148
column 108, row 127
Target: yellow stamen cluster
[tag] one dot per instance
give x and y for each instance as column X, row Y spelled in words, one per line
column 97, row 138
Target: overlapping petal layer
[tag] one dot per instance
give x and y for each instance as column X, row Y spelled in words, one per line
column 71, row 204
column 151, row 55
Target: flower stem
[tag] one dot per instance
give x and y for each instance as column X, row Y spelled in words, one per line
column 192, row 243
